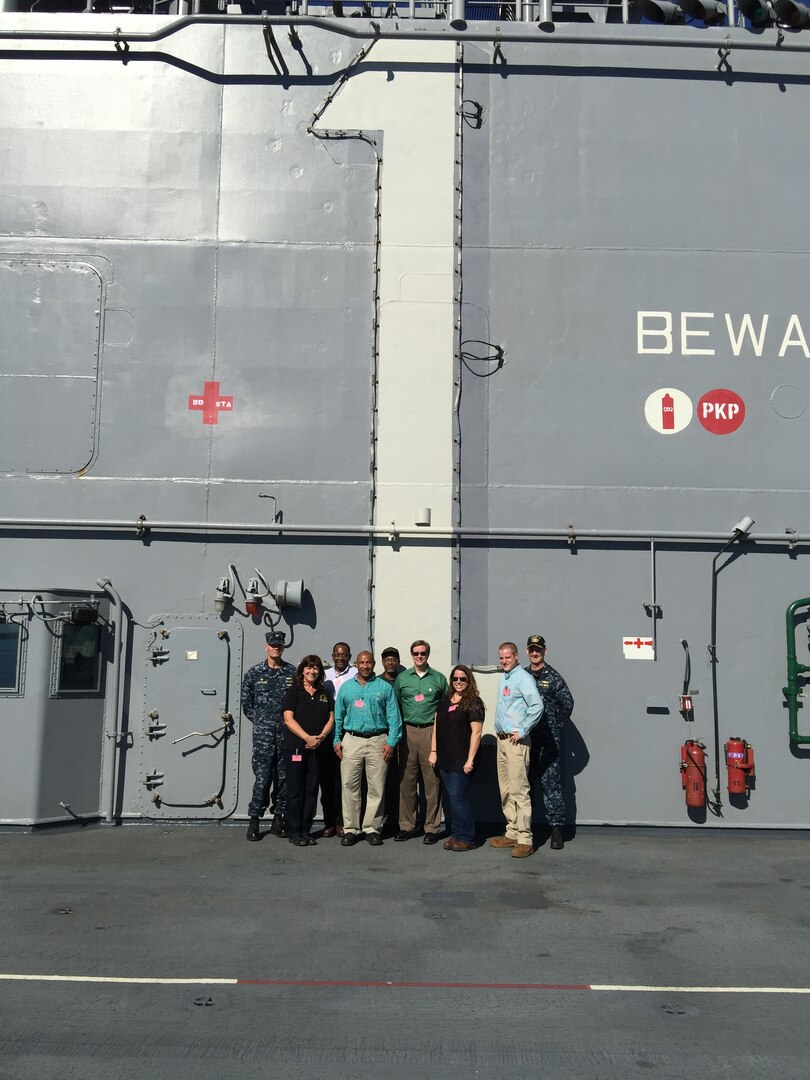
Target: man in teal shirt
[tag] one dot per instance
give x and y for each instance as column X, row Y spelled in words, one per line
column 419, row 690
column 367, row 728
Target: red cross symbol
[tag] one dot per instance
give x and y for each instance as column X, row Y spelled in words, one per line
column 638, row 642
column 210, row 403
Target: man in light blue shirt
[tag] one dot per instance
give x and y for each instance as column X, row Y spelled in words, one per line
column 518, row 710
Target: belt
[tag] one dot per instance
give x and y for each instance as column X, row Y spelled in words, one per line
column 365, row 734
column 430, row 724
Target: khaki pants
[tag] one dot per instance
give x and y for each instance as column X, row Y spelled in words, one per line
column 513, row 780
column 360, row 754
column 413, row 758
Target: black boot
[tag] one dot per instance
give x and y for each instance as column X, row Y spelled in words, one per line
column 253, row 829
column 557, row 842
column 279, row 827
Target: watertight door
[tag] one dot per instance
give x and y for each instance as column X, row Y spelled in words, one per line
column 188, row 745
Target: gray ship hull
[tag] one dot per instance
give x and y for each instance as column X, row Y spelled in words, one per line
column 475, row 338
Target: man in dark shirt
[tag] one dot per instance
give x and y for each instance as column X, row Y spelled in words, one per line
column 558, row 704
column 391, row 664
column 263, row 688
column 391, row 668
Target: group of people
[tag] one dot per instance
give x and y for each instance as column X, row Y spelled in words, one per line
column 364, row 741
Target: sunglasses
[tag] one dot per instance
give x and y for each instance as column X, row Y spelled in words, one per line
column 460, row 678
column 423, row 653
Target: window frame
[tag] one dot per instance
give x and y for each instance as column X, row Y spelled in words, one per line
column 58, row 656
column 18, row 688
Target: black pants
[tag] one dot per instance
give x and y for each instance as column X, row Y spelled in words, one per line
column 331, row 797
column 302, row 790
column 392, row 795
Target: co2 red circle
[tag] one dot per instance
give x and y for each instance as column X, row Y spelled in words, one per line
column 721, row 411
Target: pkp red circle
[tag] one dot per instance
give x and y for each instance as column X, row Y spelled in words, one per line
column 721, row 411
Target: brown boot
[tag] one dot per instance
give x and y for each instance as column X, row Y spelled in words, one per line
column 522, row 851
column 462, row 845
column 502, row 841
column 449, row 845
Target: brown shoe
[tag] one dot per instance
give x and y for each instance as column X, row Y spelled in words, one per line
column 522, row 851
column 502, row 841
column 462, row 845
column 449, row 845
column 329, row 832
column 339, row 829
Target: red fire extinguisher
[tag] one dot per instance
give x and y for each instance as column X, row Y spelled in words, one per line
column 740, row 765
column 693, row 772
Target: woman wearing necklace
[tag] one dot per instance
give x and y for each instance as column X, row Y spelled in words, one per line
column 308, row 710
column 456, row 738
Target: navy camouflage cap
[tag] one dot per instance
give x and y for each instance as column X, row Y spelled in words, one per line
column 274, row 637
column 536, row 641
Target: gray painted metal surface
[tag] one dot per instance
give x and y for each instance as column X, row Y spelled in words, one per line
column 615, row 907
column 169, row 223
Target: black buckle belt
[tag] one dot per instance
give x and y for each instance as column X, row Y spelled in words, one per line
column 430, row 724
column 365, row 734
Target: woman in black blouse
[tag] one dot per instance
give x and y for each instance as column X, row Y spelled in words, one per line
column 456, row 738
column 308, row 710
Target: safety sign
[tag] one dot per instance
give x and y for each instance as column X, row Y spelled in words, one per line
column 668, row 410
column 721, row 411
column 638, row 648
column 210, row 402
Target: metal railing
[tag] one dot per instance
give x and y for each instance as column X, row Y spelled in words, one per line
column 457, row 12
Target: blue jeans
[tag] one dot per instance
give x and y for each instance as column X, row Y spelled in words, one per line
column 462, row 819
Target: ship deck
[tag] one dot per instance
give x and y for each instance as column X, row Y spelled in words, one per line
column 186, row 952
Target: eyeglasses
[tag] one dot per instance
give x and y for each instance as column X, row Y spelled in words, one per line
column 533, row 649
column 422, row 652
column 460, row 678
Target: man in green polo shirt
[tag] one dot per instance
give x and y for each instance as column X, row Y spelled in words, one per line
column 418, row 691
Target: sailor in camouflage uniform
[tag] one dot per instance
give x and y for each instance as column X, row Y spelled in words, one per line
column 263, row 689
column 558, row 704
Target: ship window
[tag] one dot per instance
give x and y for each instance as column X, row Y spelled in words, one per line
column 79, row 664
column 10, row 658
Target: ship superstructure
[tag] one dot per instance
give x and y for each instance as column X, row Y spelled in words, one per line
column 452, row 322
